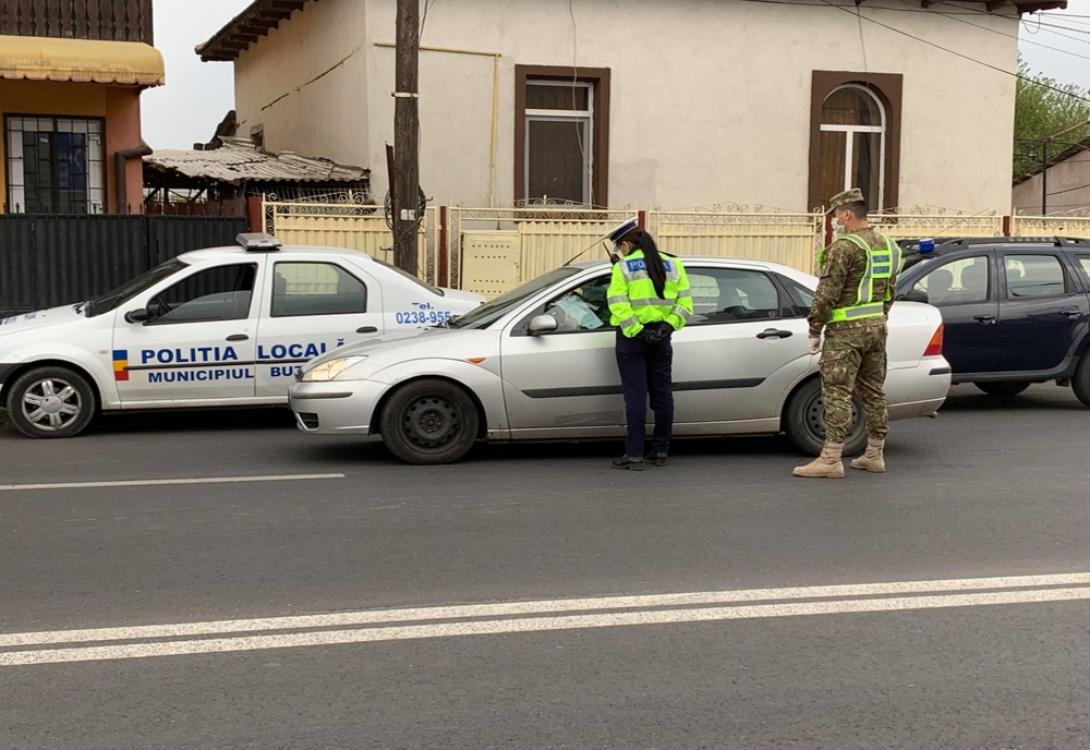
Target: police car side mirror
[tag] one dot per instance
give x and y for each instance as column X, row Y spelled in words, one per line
column 542, row 324
column 914, row 295
column 139, row 315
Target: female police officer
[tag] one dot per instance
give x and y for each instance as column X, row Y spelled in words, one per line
column 649, row 299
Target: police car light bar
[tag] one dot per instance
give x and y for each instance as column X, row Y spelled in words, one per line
column 258, row 242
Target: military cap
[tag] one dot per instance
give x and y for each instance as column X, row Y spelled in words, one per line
column 847, row 198
column 621, row 230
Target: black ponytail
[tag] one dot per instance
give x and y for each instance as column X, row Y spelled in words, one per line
column 656, row 269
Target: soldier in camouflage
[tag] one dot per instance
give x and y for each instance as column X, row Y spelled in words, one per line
column 858, row 274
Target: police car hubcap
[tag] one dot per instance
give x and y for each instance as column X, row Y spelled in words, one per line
column 430, row 422
column 51, row 404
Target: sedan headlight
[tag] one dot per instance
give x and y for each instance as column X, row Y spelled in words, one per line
column 331, row 369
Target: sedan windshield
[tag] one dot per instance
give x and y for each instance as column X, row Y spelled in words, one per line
column 132, row 287
column 490, row 312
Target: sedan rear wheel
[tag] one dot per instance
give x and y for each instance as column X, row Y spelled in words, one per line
column 51, row 402
column 804, row 421
column 430, row 422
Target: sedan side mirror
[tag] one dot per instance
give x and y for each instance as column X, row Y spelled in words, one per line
column 914, row 295
column 543, row 324
column 139, row 315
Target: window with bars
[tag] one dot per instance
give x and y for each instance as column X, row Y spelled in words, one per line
column 55, row 165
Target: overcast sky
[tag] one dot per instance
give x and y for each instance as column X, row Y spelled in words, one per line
column 198, row 95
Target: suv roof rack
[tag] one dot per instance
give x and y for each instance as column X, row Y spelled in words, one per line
column 258, row 242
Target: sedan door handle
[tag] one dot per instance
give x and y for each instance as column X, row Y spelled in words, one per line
column 1071, row 313
column 238, row 337
column 366, row 329
column 987, row 320
column 774, row 333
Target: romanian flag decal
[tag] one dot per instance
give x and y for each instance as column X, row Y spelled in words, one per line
column 121, row 364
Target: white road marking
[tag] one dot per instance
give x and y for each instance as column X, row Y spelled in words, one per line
column 158, row 482
column 510, row 617
column 533, row 625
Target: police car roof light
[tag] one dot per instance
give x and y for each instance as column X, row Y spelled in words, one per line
column 258, row 242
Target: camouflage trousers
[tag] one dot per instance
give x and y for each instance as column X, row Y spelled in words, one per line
column 853, row 360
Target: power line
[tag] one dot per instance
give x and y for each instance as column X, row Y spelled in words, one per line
column 955, row 53
column 1015, row 36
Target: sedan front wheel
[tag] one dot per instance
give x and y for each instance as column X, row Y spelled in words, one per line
column 51, row 402
column 430, row 421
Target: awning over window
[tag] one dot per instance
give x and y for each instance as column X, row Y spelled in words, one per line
column 39, row 58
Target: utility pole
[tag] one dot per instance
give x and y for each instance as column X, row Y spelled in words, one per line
column 405, row 189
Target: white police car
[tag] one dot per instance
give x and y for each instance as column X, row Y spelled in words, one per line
column 219, row 327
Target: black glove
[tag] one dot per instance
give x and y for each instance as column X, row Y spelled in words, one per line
column 655, row 333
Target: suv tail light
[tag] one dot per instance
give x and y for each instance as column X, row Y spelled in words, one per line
column 934, row 349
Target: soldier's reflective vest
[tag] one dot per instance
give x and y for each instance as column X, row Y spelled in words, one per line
column 633, row 301
column 882, row 263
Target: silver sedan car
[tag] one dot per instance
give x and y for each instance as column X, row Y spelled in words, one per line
column 538, row 364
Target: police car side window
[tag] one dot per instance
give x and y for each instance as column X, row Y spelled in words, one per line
column 315, row 289
column 730, row 295
column 220, row 293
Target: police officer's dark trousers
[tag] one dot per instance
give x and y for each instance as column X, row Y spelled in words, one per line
column 646, row 370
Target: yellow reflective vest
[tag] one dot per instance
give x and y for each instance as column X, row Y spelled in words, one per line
column 633, row 301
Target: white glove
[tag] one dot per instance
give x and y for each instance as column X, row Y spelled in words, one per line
column 814, row 343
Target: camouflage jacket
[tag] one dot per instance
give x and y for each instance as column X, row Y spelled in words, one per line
column 838, row 285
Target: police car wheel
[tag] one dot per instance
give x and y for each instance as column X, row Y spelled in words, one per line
column 804, row 421
column 430, row 422
column 51, row 402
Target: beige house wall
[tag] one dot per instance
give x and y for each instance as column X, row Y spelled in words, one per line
column 1068, row 188
column 275, row 84
column 710, row 100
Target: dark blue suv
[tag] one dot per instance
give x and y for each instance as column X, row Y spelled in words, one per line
column 1016, row 310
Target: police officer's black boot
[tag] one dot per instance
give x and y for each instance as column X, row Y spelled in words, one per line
column 629, row 463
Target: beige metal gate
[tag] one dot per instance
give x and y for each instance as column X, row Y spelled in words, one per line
column 334, row 221
column 1051, row 226
column 493, row 250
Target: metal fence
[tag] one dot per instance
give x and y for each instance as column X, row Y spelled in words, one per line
column 335, row 221
column 53, row 260
column 493, row 250
column 792, row 239
column 1051, row 226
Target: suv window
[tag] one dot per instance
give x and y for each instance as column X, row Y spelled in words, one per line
column 958, row 282
column 220, row 293
column 1084, row 264
column 728, row 295
column 1034, row 276
column 584, row 308
column 316, row 289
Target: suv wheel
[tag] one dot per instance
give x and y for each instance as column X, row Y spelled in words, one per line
column 804, row 421
column 1004, row 389
column 430, row 422
column 50, row 402
column 1081, row 382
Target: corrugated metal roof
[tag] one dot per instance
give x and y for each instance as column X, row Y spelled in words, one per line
column 237, row 161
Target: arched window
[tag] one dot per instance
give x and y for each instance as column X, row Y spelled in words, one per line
column 852, row 147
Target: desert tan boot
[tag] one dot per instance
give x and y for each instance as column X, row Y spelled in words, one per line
column 826, row 466
column 874, row 459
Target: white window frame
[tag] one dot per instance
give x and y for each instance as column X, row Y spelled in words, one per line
column 16, row 126
column 564, row 115
column 849, row 135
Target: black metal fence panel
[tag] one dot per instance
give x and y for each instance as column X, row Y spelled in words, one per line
column 47, row 261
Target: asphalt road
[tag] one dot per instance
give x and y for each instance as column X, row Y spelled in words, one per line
column 991, row 490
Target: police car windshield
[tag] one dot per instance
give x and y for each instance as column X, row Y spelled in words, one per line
column 112, row 299
column 410, row 277
column 490, row 312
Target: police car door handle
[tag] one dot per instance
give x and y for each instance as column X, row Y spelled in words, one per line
column 774, row 333
column 366, row 329
column 238, row 337
column 987, row 320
